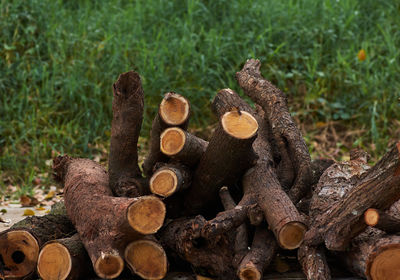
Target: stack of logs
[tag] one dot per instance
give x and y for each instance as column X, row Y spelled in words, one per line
column 224, row 206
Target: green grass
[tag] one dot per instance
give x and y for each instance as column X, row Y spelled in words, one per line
column 58, row 60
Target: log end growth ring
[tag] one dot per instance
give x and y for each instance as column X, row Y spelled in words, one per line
column 172, row 141
column 163, row 183
column 291, row 235
column 371, row 217
column 386, row 265
column 174, row 109
column 249, row 273
column 239, row 124
column 147, row 259
column 146, row 215
column 19, row 251
column 109, row 266
column 54, row 262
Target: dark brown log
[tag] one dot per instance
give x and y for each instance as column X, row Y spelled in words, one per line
column 227, row 100
column 379, row 187
column 174, row 110
column 64, row 259
column 147, row 258
column 170, row 179
column 284, row 129
column 313, row 262
column 382, row 220
column 19, row 245
column 105, row 224
column 259, row 257
column 182, row 146
column 125, row 175
column 228, row 155
column 213, row 257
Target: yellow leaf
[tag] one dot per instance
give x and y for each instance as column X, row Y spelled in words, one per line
column 50, row 195
column 40, row 208
column 362, row 55
column 320, row 124
column 29, row 212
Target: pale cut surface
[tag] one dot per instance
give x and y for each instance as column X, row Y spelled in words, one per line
column 147, row 259
column 249, row 273
column 241, row 125
column 54, row 262
column 19, row 250
column 371, row 217
column 146, row 215
column 163, row 183
column 291, row 235
column 109, row 266
column 174, row 109
column 386, row 265
column 172, row 141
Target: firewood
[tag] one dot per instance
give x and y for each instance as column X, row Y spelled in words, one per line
column 64, row 259
column 174, row 110
column 125, row 175
column 170, row 179
column 182, row 146
column 262, row 252
column 228, row 154
column 378, row 187
column 147, row 258
column 382, row 220
column 284, row 130
column 106, row 224
column 313, row 262
column 19, row 245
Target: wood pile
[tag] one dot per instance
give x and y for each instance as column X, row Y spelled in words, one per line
column 223, row 208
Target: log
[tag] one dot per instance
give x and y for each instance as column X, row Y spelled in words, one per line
column 284, row 130
column 259, row 257
column 378, row 187
column 106, row 224
column 64, row 259
column 147, row 258
column 229, row 153
column 170, row 179
column 382, row 220
column 19, row 245
column 174, row 110
column 182, row 146
column 313, row 262
column 125, row 176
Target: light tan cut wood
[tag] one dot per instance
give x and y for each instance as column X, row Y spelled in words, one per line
column 239, row 124
column 54, row 262
column 174, row 109
column 386, row 265
column 371, row 217
column 109, row 266
column 172, row 141
column 163, row 183
column 249, row 273
column 292, row 234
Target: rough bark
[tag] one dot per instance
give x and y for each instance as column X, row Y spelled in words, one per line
column 174, row 110
column 19, row 245
column 229, row 153
column 313, row 262
column 262, row 252
column 125, row 176
column 182, row 146
column 284, row 130
column 64, row 259
column 382, row 220
column 105, row 224
column 169, row 179
column 379, row 187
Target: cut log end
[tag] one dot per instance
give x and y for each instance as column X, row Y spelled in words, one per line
column 147, row 259
column 239, row 124
column 19, row 251
column 249, row 273
column 371, row 217
column 146, row 215
column 174, row 109
column 109, row 266
column 291, row 235
column 54, row 262
column 386, row 265
column 172, row 141
column 163, row 183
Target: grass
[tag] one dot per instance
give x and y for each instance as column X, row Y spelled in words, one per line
column 58, row 60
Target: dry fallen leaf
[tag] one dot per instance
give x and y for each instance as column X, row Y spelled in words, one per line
column 50, row 195
column 27, row 201
column 29, row 212
column 40, row 208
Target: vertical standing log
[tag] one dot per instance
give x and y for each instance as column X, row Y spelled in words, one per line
column 125, row 175
column 228, row 155
column 174, row 110
column 313, row 262
column 105, row 224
